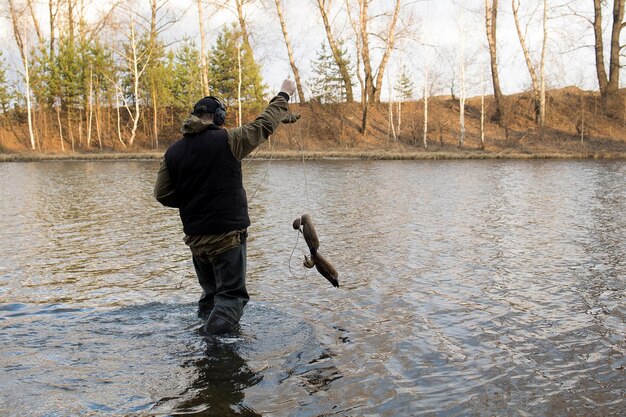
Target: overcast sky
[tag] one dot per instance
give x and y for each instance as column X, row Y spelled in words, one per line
column 434, row 43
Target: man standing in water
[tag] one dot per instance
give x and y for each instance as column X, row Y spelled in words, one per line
column 201, row 176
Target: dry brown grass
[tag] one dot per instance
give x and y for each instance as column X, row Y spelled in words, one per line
column 332, row 131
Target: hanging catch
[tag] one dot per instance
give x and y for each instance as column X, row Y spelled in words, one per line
column 305, row 225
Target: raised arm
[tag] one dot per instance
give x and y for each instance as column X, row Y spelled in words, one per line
column 243, row 140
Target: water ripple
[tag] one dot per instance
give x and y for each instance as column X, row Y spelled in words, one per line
column 467, row 288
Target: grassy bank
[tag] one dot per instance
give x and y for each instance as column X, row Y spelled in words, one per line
column 575, row 128
column 313, row 155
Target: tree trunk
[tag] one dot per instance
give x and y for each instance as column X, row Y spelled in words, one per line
column 239, row 83
column 19, row 40
column 28, row 103
column 90, row 103
column 33, row 16
column 529, row 64
column 399, row 117
column 80, row 127
column 203, row 64
column 609, row 85
column 482, row 110
column 491, row 14
column 70, row 22
column 69, row 128
column 155, row 116
column 367, row 65
column 538, row 82
column 389, row 44
column 52, row 13
column 97, row 111
column 391, row 125
column 612, row 87
column 292, row 61
column 462, row 93
column 599, row 47
column 133, row 132
column 60, row 128
column 334, row 47
column 542, row 69
column 425, row 137
column 244, row 27
column 359, row 48
column 119, row 125
column 133, row 65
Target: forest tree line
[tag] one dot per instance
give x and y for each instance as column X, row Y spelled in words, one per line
column 109, row 79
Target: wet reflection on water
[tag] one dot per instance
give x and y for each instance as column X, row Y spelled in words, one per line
column 467, row 288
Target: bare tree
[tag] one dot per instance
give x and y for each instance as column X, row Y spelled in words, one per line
column 373, row 78
column 238, row 10
column 33, row 16
column 53, row 10
column 16, row 15
column 245, row 35
column 390, row 39
column 491, row 15
column 609, row 85
column 136, row 60
column 537, row 82
column 542, row 68
column 367, row 95
column 160, row 19
column 324, row 8
column 203, row 49
column 292, row 62
column 463, row 92
column 359, row 46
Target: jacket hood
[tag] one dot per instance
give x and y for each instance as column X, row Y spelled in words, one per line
column 193, row 124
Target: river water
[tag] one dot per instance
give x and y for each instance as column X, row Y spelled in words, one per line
column 468, row 288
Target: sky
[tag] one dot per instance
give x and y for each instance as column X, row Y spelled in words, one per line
column 441, row 30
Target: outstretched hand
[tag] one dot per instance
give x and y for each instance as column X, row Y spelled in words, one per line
column 288, row 87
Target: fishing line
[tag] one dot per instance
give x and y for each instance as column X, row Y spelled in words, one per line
column 295, row 246
column 298, row 139
column 304, row 225
column 267, row 168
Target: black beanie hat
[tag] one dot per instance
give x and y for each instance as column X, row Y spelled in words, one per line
column 206, row 105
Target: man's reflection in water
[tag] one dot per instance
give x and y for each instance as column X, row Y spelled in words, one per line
column 221, row 376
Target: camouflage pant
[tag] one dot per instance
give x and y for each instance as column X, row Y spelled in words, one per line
column 223, row 282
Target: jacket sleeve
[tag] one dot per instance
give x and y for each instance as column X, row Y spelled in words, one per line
column 164, row 190
column 243, row 140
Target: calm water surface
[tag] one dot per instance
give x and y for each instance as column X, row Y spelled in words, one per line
column 473, row 288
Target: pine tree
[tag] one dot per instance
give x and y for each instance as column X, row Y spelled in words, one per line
column 186, row 87
column 155, row 78
column 224, row 66
column 5, row 90
column 328, row 85
column 102, row 63
column 68, row 73
column 405, row 86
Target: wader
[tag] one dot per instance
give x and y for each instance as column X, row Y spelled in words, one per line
column 223, row 281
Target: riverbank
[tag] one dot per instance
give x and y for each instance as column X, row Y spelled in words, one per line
column 319, row 155
column 575, row 128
